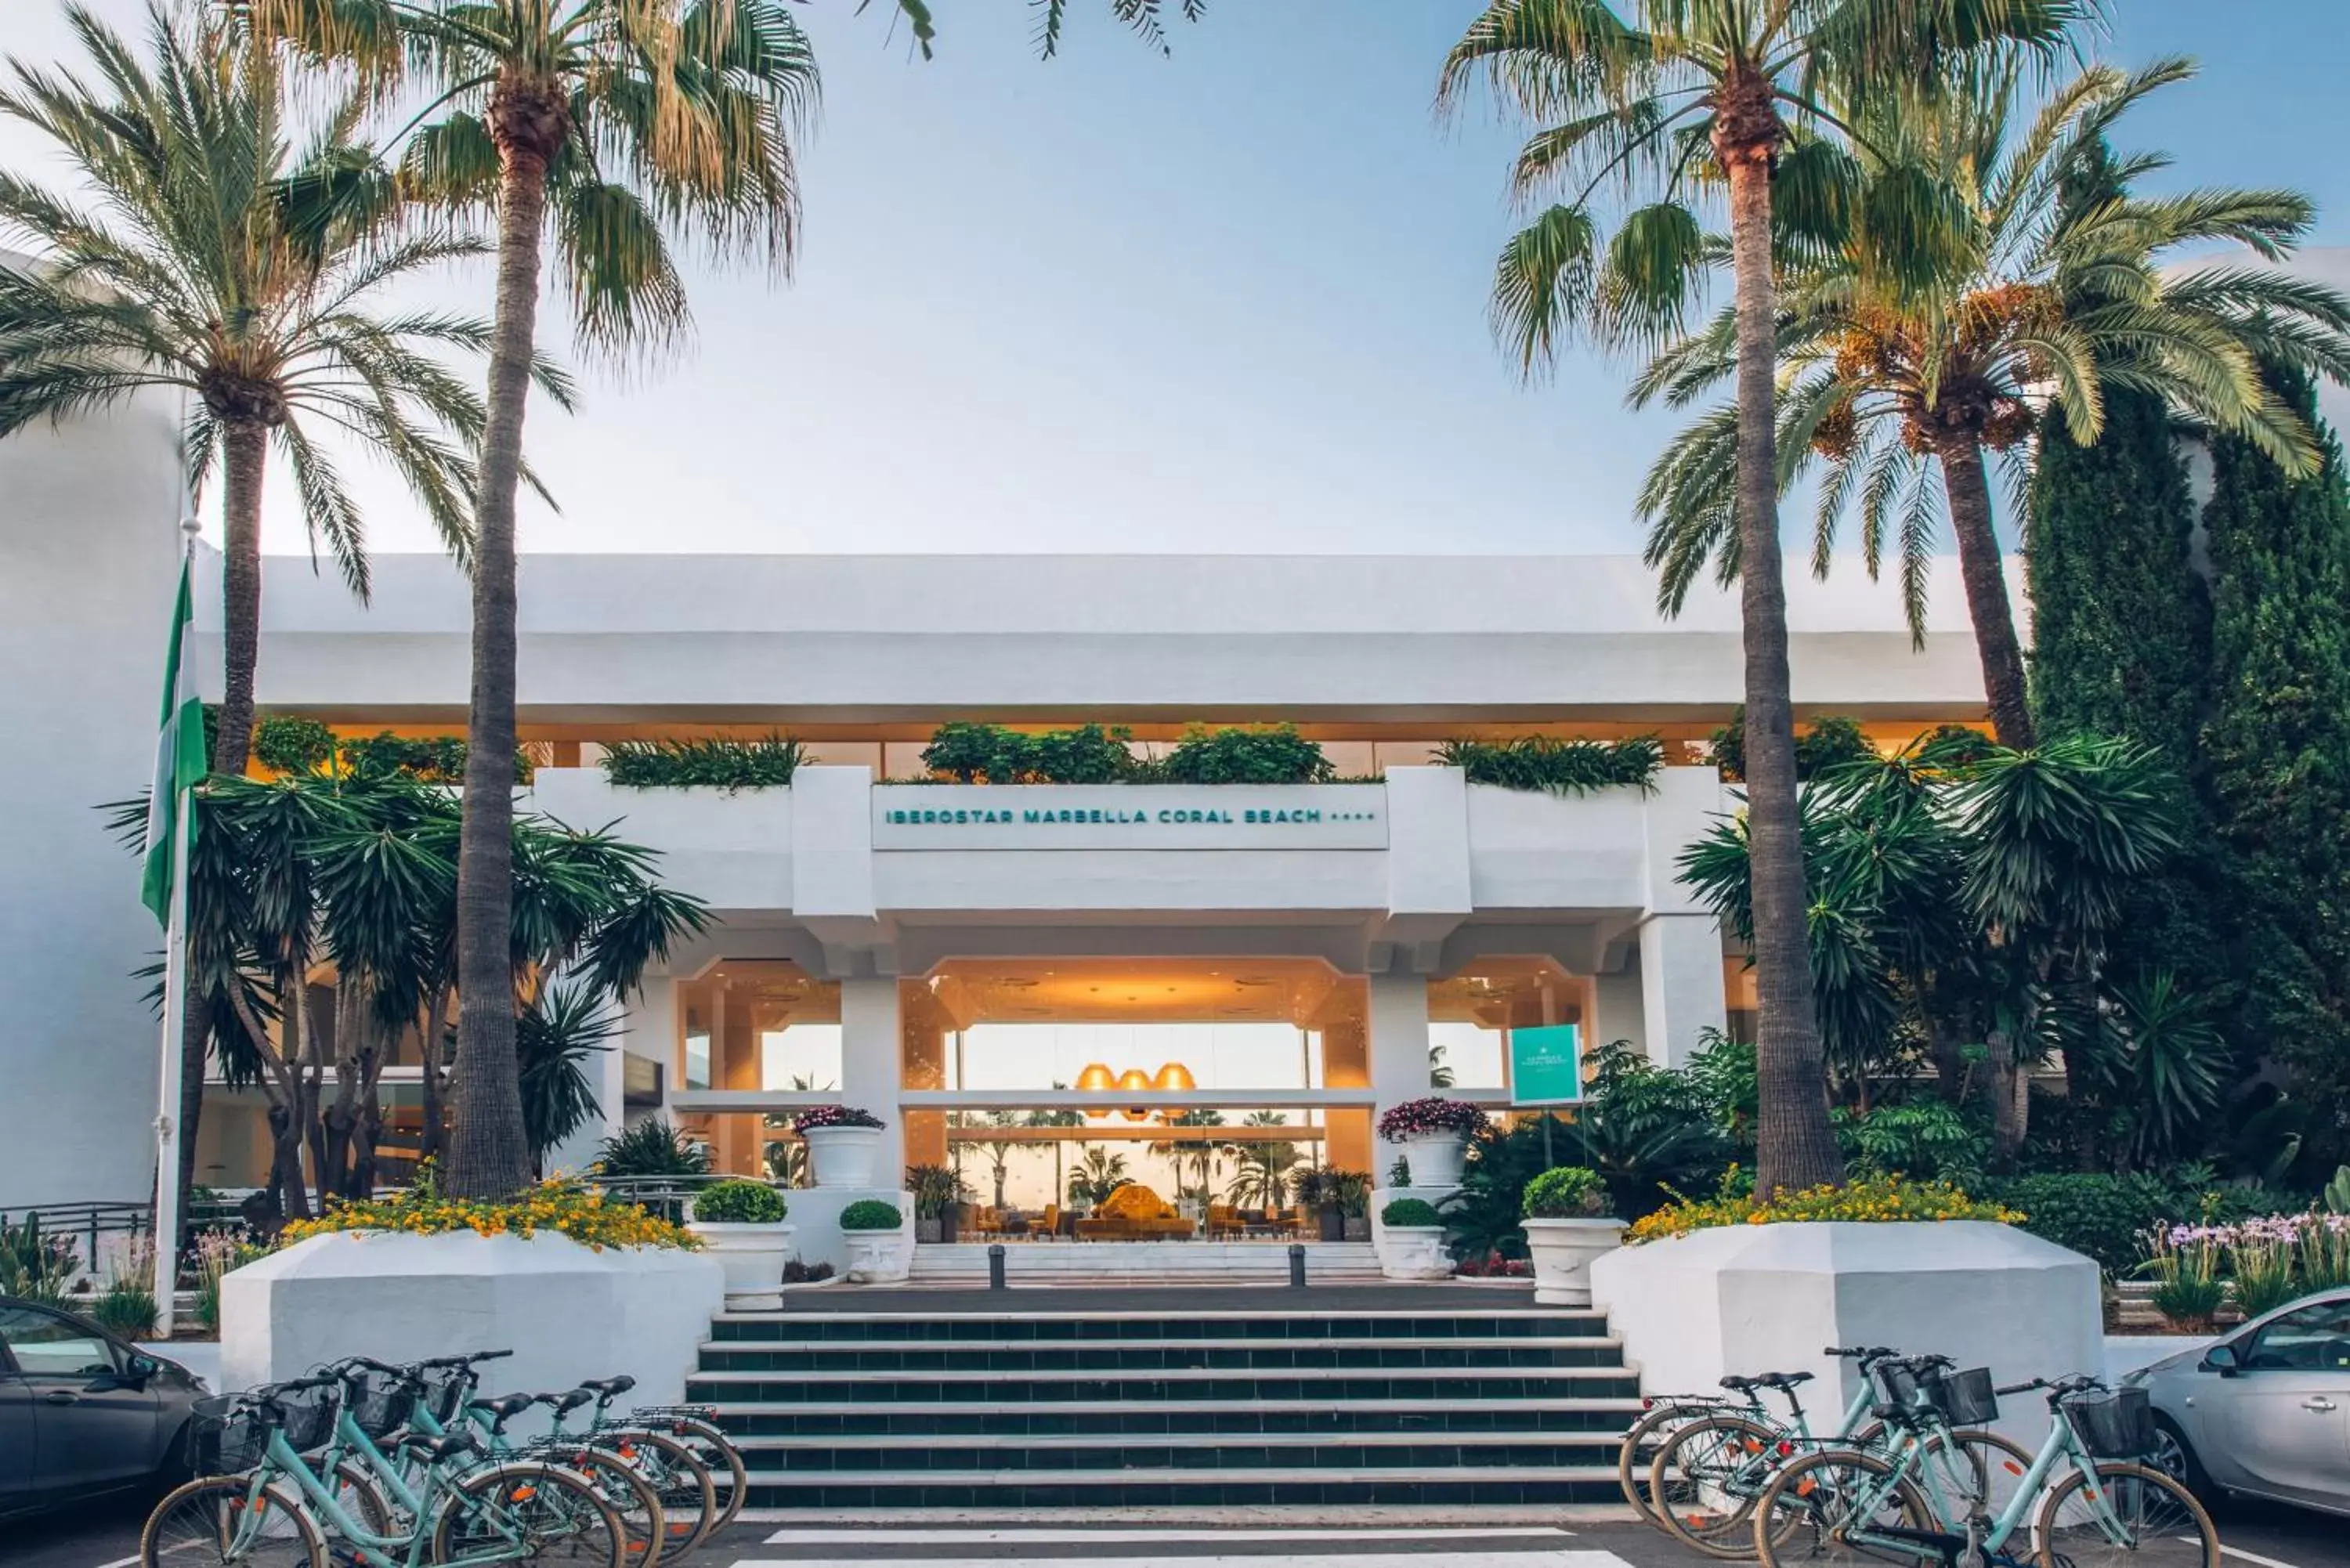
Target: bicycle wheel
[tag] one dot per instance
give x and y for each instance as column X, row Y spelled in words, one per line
column 1828, row 1507
column 360, row 1494
column 522, row 1512
column 627, row 1492
column 687, row 1490
column 1706, row 1478
column 730, row 1483
column 2134, row 1516
column 1648, row 1435
column 217, row 1519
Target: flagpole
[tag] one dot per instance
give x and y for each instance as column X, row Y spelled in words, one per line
column 174, row 1066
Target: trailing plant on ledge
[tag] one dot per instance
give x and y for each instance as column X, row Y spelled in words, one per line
column 1417, row 1118
column 1885, row 1200
column 1558, row 767
column 767, row 763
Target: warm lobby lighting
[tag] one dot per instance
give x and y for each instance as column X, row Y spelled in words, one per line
column 1133, row 1078
column 1174, row 1076
column 1096, row 1078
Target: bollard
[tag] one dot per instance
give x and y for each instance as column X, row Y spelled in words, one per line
column 1297, row 1264
column 995, row 1265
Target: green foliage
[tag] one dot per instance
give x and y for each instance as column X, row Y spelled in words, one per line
column 2337, row 1192
column 428, row 759
column 295, row 746
column 1410, row 1213
column 990, row 753
column 1351, row 1190
column 126, row 1309
column 1829, row 744
column 1565, row 1192
column 730, row 765
column 872, row 1214
column 35, row 1265
column 935, row 1189
column 2277, row 751
column 562, row 1028
column 1558, row 767
column 2100, row 1216
column 1279, row 755
column 1399, row 1173
column 1930, row 1139
column 654, row 1147
column 739, row 1203
column 1098, row 1173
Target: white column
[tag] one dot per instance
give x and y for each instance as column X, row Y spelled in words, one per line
column 1398, row 1053
column 1617, row 1002
column 870, row 1074
column 1680, row 985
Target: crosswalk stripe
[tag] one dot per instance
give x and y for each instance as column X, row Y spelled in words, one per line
column 946, row 1537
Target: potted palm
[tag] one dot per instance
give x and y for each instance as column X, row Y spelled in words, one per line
column 842, row 1141
column 1568, row 1227
column 938, row 1197
column 880, row 1249
column 741, row 1224
column 1410, row 1239
column 1350, row 1190
column 1435, row 1133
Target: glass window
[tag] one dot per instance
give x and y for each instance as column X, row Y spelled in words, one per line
column 2315, row 1338
column 1470, row 1016
column 46, row 1346
column 759, row 1024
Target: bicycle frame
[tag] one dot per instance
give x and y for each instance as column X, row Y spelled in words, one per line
column 1987, row 1536
column 369, row 1549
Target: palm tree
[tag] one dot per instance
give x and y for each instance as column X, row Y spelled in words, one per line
column 615, row 126
column 221, row 259
column 1056, row 1120
column 1261, row 1169
column 1675, row 94
column 1203, row 1149
column 2043, row 284
column 1099, row 1173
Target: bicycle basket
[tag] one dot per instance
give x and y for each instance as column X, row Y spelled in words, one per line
column 1963, row 1398
column 382, row 1411
column 308, row 1417
column 223, row 1441
column 2113, row 1423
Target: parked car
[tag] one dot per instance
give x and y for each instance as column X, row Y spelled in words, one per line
column 2265, row 1411
column 83, row 1413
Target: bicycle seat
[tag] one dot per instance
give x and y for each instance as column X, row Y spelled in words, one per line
column 1782, row 1381
column 608, row 1386
column 439, row 1446
column 562, row 1403
column 505, row 1410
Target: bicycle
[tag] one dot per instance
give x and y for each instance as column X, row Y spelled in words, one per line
column 1706, row 1482
column 696, row 1426
column 1845, row 1506
column 265, row 1506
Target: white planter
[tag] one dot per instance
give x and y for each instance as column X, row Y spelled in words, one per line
column 879, row 1257
column 1413, row 1251
column 1435, row 1158
column 842, row 1156
column 1563, row 1251
column 753, row 1258
column 566, row 1311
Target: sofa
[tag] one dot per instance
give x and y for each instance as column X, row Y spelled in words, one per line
column 1134, row 1213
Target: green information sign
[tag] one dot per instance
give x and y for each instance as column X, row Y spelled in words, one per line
column 1546, row 1065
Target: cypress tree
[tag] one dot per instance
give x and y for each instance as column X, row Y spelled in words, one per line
column 2121, row 628
column 2277, row 749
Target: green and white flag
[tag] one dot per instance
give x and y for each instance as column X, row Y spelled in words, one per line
column 180, row 760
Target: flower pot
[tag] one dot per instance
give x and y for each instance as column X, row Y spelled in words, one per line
column 1563, row 1250
column 879, row 1257
column 752, row 1257
column 926, row 1229
column 1334, row 1224
column 842, row 1156
column 1357, row 1228
column 1413, row 1252
column 1436, row 1158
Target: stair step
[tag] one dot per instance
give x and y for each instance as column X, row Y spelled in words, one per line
column 1205, row 1418
column 1427, row 1384
column 913, row 1357
column 964, row 1328
column 972, row 1456
column 1557, row 1485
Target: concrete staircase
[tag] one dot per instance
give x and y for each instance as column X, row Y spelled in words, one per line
column 1053, row 1406
column 1147, row 1263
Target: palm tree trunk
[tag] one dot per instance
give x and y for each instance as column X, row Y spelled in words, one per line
column 489, row 1148
column 1987, row 607
column 245, row 458
column 1795, row 1145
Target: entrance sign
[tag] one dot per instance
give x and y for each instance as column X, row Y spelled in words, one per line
column 1546, row 1065
column 1129, row 817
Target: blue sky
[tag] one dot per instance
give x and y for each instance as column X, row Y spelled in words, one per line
column 1231, row 300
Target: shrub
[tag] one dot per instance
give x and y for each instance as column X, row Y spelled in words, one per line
column 730, row 765
column 654, row 1147
column 429, row 759
column 294, row 746
column 2100, row 1216
column 35, row 1266
column 1869, row 1201
column 126, row 1309
column 818, row 1116
column 1829, row 744
column 1558, row 767
column 872, row 1214
column 1434, row 1114
column 989, row 753
column 799, row 1271
column 739, row 1203
column 1411, row 1212
column 219, row 1252
column 556, row 1206
column 1279, row 755
column 1569, row 1193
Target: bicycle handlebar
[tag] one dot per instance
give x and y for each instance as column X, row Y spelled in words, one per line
column 1859, row 1353
column 479, row 1355
column 2076, row 1383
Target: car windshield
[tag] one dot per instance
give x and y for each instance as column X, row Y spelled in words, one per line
column 2315, row 1338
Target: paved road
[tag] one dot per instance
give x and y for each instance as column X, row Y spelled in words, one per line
column 2254, row 1538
